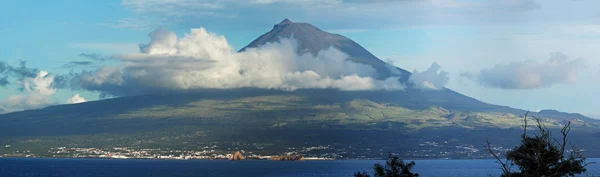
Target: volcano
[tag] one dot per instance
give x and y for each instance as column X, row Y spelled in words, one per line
column 312, row 40
column 348, row 124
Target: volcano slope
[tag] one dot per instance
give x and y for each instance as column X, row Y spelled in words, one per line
column 344, row 124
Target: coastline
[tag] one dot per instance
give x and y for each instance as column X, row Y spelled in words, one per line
column 249, row 159
column 174, row 159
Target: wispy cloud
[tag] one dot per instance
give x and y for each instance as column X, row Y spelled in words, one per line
column 115, row 48
column 341, row 14
column 19, row 72
column 95, row 56
column 143, row 23
column 74, row 64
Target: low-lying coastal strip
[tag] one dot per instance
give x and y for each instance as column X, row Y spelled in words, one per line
column 127, row 153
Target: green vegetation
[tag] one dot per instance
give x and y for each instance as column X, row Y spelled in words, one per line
column 350, row 124
column 394, row 167
column 542, row 154
column 287, row 110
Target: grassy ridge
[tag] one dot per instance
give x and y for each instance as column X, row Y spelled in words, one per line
column 283, row 110
column 269, row 124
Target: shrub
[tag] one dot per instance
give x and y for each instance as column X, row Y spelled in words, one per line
column 394, row 167
column 541, row 154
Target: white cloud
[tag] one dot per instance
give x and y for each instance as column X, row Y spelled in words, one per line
column 168, row 6
column 23, row 102
column 38, row 92
column 431, row 79
column 203, row 60
column 531, row 74
column 117, row 48
column 341, row 14
column 40, row 84
column 76, row 99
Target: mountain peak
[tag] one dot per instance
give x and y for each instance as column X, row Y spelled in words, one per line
column 311, row 39
column 286, row 21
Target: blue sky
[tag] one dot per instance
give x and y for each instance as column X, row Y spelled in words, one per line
column 482, row 41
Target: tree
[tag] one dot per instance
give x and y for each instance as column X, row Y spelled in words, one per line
column 541, row 154
column 394, row 167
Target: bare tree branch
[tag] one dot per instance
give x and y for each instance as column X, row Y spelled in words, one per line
column 488, row 148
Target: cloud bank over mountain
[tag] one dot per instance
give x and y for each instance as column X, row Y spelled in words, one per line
column 203, row 60
column 431, row 79
column 37, row 94
column 76, row 99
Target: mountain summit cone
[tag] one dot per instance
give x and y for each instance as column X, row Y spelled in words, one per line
column 286, row 21
column 311, row 39
column 270, row 121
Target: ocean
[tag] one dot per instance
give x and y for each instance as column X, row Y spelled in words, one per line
column 25, row 167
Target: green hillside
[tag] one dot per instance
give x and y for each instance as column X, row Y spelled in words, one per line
column 265, row 123
column 283, row 110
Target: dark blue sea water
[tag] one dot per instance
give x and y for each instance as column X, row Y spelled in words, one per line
column 192, row 168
